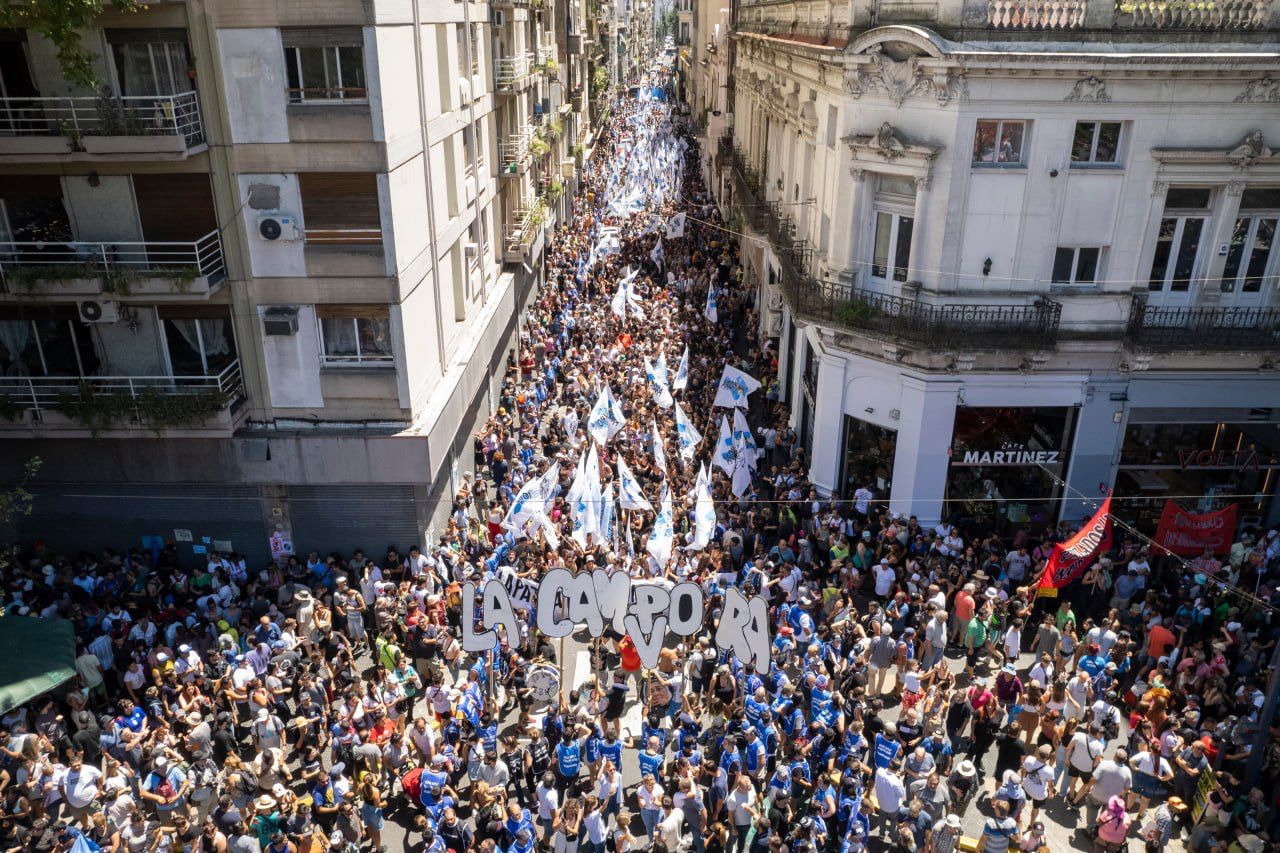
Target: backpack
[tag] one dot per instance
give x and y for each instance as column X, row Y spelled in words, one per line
column 248, row 780
column 411, row 782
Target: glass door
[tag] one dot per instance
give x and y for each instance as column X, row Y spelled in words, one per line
column 1248, row 276
column 1179, row 237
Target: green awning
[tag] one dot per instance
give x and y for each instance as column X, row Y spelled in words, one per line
column 36, row 655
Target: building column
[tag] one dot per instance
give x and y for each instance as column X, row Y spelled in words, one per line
column 923, row 452
column 1224, row 227
column 828, row 421
column 845, row 224
column 1095, row 450
column 917, row 227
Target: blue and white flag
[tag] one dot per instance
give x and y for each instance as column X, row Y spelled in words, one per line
column 534, row 498
column 711, row 312
column 734, row 388
column 659, row 450
column 725, row 456
column 569, row 421
column 580, row 275
column 704, row 513
column 608, row 528
column 658, row 253
column 744, row 440
column 675, row 228
column 630, row 495
column 658, row 382
column 682, row 372
column 689, row 437
column 584, row 505
column 606, row 417
column 663, row 537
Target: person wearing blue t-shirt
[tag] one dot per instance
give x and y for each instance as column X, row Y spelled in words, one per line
column 887, row 746
column 568, row 763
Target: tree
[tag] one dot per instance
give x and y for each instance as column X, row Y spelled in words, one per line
column 61, row 22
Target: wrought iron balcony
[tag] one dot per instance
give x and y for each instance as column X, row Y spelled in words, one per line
column 1202, row 328
column 1031, row 325
column 104, row 125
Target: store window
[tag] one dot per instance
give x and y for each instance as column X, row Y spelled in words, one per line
column 1206, row 466
column 1007, row 464
column 868, row 458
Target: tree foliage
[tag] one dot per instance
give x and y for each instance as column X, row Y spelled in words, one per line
column 63, row 22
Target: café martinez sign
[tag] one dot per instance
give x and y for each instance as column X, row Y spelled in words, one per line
column 1011, row 457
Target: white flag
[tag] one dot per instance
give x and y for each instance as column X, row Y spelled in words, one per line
column 630, row 495
column 570, row 422
column 527, row 503
column 675, row 228
column 618, row 305
column 607, row 515
column 662, row 538
column 704, row 513
column 658, row 253
column 725, row 456
column 735, row 386
column 710, row 311
column 659, row 451
column 658, row 382
column 687, row 434
column 682, row 372
column 606, row 417
column 584, row 501
column 744, row 440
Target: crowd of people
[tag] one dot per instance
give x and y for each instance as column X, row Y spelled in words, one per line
column 919, row 696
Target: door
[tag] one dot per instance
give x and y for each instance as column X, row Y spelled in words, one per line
column 1180, row 234
column 151, row 62
column 175, row 211
column 16, row 82
column 1252, row 263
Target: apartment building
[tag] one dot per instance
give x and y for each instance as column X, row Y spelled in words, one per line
column 1016, row 253
column 260, row 285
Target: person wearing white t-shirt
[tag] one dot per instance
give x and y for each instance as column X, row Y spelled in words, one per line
column 80, row 787
column 548, row 804
column 1037, row 777
column 885, row 577
column 862, row 500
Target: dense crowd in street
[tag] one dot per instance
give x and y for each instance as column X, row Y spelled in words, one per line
column 915, row 679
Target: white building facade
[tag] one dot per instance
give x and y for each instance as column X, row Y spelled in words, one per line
column 1016, row 255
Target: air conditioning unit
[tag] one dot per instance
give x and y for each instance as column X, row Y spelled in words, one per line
column 575, row 43
column 279, row 226
column 98, row 311
column 471, row 250
column 280, row 322
column 499, row 18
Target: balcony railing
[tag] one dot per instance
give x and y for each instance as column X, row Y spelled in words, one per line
column 510, row 71
column 520, row 235
column 28, row 261
column 513, row 152
column 1161, row 15
column 216, row 392
column 1202, row 328
column 175, row 116
column 1036, row 14
column 939, row 326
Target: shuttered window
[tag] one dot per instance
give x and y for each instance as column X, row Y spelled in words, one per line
column 340, row 207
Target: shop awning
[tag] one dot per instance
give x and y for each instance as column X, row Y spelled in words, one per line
column 39, row 655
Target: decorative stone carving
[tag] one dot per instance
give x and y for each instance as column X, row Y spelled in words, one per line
column 886, row 145
column 1089, row 90
column 901, row 80
column 1264, row 90
column 1158, row 188
column 889, row 146
column 1235, row 188
column 1250, row 150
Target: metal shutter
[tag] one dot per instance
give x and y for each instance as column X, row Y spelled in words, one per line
column 73, row 518
column 344, row 518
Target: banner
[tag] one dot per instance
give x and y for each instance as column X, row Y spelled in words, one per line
column 1069, row 559
column 1188, row 534
column 688, row 435
column 726, row 455
column 682, row 372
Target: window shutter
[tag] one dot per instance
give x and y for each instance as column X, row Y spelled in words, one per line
column 16, row 187
column 340, row 207
column 371, row 312
column 322, row 37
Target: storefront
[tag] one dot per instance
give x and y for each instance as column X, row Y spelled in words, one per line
column 1008, row 464
column 1201, row 465
column 867, row 459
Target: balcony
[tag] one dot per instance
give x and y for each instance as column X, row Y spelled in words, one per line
column 1036, row 14
column 165, row 125
column 1032, row 325
column 513, row 73
column 100, row 403
column 125, row 269
column 520, row 237
column 513, row 152
column 1202, row 328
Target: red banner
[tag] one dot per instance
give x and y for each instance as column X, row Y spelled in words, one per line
column 1069, row 559
column 1188, row 534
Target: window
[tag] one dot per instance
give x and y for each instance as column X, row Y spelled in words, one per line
column 1076, row 265
column 52, row 346
column 833, row 126
column 1178, row 239
column 325, row 64
column 197, row 345
column 340, row 207
column 892, row 241
column 460, row 37
column 1249, row 254
column 354, row 334
column 999, row 143
column 1096, row 142
column 151, row 62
